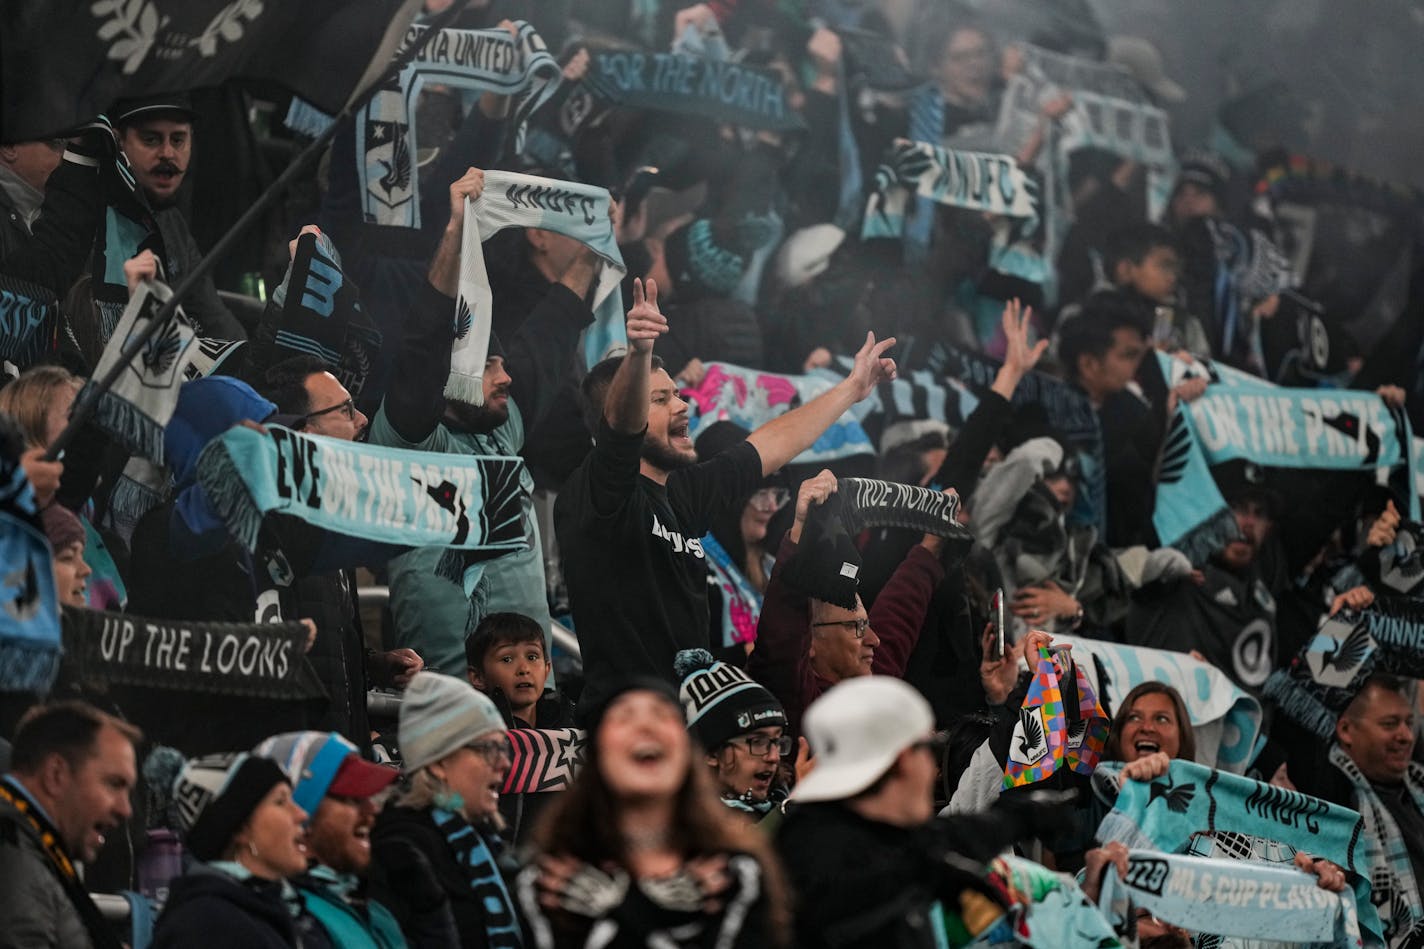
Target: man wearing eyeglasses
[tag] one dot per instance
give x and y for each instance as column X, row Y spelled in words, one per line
column 312, row 400
column 808, row 639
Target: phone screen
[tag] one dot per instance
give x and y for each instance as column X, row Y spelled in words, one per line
column 996, row 616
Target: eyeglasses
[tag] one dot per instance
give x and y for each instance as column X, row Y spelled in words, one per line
column 492, row 750
column 759, row 745
column 770, row 499
column 348, row 408
column 861, row 625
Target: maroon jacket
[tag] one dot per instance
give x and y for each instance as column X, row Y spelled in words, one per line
column 781, row 660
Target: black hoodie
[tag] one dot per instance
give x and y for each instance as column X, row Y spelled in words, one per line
column 207, row 907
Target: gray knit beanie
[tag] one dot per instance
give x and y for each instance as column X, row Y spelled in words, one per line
column 438, row 715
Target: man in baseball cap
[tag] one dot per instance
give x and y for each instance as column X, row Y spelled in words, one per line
column 335, row 785
column 861, row 847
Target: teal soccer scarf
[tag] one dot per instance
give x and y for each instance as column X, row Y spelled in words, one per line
column 1231, row 898
column 384, row 496
column 1194, row 809
column 29, row 621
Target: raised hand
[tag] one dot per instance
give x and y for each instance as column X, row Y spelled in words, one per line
column 872, row 367
column 1019, row 356
column 469, row 185
column 645, row 321
column 142, row 266
column 1385, row 528
column 813, row 492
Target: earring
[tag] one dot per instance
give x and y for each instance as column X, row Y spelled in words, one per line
column 252, row 849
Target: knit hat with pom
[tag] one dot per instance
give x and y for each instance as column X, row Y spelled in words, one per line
column 722, row 701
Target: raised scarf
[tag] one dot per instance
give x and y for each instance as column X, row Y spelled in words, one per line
column 381, row 495
column 1395, row 890
column 913, row 394
column 140, row 403
column 1194, row 809
column 751, row 398
column 477, row 60
column 1242, row 417
column 976, row 181
column 29, row 621
column 473, row 854
column 316, row 311
column 719, row 91
column 1232, row 898
column 1226, row 719
column 58, row 861
column 509, row 199
column 1347, row 648
column 1049, row 735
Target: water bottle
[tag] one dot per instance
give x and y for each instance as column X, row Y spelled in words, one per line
column 162, row 860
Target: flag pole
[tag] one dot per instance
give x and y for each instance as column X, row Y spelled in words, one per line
column 88, row 400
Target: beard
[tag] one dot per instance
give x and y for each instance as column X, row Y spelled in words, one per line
column 661, row 455
column 475, row 419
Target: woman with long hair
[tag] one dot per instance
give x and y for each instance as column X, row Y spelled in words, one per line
column 639, row 851
column 738, row 554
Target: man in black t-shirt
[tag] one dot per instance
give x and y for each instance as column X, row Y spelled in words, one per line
column 631, row 518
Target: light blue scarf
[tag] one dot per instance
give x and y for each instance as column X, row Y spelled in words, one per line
column 1193, row 808
column 382, row 495
column 478, row 864
column 1232, row 898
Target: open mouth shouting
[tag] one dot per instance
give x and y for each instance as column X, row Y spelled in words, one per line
column 677, row 432
column 1145, row 747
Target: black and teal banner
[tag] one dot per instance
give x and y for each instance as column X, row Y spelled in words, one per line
column 693, row 85
column 385, row 496
column 256, row 660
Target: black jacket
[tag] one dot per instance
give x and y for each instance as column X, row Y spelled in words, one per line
column 405, row 844
column 339, row 654
column 861, row 884
column 208, row 908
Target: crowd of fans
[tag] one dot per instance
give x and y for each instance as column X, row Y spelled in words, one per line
column 881, row 694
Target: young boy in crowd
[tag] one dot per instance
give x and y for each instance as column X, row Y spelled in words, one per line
column 505, row 659
column 1142, row 260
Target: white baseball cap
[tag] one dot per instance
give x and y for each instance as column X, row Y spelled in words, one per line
column 857, row 729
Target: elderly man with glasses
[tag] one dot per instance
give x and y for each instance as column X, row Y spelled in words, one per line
column 816, row 632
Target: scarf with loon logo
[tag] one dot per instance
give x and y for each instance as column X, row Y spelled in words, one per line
column 569, row 208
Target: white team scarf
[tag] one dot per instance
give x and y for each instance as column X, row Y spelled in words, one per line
column 565, row 207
